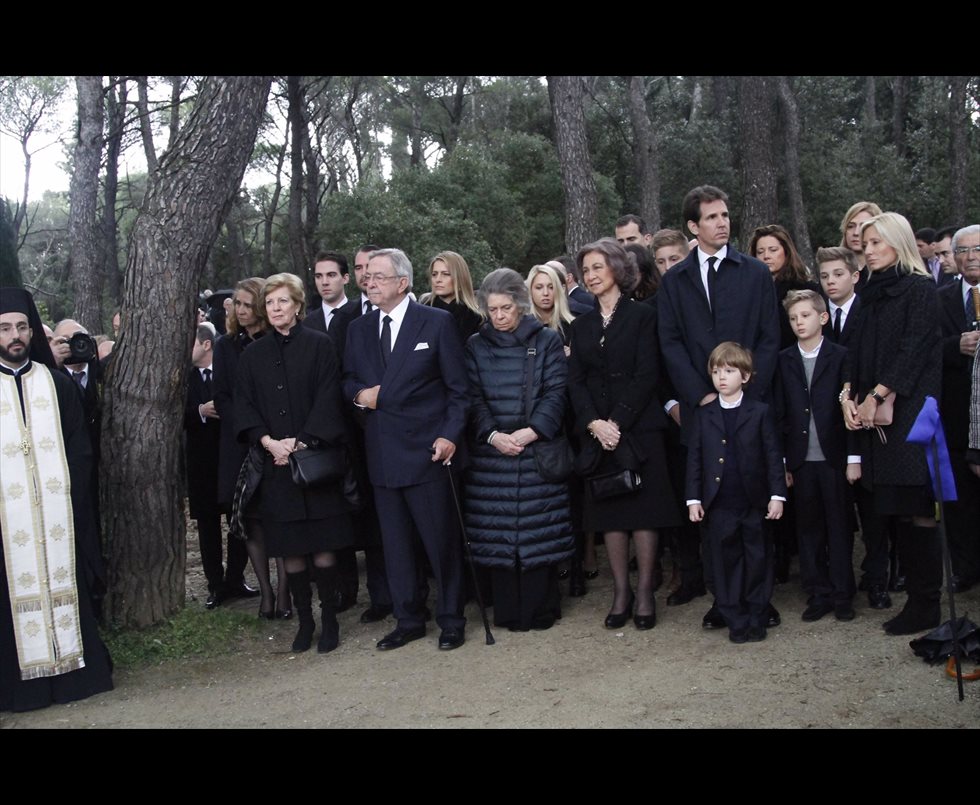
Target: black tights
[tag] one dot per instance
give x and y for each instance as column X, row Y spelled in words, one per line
column 255, row 545
column 618, row 551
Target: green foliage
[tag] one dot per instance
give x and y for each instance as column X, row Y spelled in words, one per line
column 496, row 204
column 9, row 265
column 189, row 633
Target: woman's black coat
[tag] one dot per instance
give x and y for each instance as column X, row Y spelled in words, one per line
column 899, row 345
column 289, row 386
column 227, row 351
column 513, row 517
column 617, row 379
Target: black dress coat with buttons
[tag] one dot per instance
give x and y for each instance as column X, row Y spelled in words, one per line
column 289, row 386
column 760, row 461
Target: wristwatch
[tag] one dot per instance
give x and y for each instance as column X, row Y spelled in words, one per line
column 874, row 395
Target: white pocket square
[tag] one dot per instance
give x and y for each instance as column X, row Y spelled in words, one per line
column 421, row 345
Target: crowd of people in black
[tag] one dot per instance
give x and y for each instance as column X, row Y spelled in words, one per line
column 661, row 396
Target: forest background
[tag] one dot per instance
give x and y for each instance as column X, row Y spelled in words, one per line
column 506, row 170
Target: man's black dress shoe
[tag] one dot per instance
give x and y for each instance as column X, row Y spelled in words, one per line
column 713, row 619
column 815, row 612
column 773, row 618
column 214, row 599
column 962, row 583
column 738, row 635
column 241, row 590
column 684, row 594
column 878, row 597
column 399, row 637
column 451, row 638
column 843, row 611
column 755, row 634
column 373, row 614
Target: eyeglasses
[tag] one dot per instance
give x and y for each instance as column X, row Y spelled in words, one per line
column 379, row 278
column 967, row 249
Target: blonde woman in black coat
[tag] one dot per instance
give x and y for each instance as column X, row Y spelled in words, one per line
column 288, row 398
column 897, row 360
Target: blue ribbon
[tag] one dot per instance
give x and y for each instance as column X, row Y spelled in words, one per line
column 928, row 428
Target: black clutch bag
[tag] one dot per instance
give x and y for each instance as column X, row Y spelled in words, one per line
column 614, row 484
column 314, row 467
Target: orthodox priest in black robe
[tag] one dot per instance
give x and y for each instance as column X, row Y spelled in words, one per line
column 50, row 649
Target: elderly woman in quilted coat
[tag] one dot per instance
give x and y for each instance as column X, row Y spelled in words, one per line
column 518, row 523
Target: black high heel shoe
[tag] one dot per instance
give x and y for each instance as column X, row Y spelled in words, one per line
column 617, row 620
column 267, row 614
column 644, row 622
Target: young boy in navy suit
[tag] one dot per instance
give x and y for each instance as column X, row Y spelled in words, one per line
column 839, row 272
column 809, row 375
column 735, row 480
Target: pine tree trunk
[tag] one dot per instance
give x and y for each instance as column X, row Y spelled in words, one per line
column 959, row 157
column 84, row 232
column 794, row 188
column 116, row 114
column 578, row 184
column 645, row 154
column 186, row 201
column 758, row 171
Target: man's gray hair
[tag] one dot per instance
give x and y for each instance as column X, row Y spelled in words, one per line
column 973, row 229
column 399, row 261
column 508, row 282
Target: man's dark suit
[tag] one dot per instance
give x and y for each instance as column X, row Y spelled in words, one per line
column 422, row 397
column 964, row 515
column 202, row 450
column 849, row 330
column 317, row 320
column 580, row 301
column 366, row 520
column 738, row 546
column 689, row 329
column 874, row 534
column 826, row 540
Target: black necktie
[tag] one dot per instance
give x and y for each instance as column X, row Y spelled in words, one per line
column 79, row 378
column 367, row 307
column 386, row 340
column 971, row 310
column 329, row 317
column 207, row 383
column 837, row 324
column 712, row 282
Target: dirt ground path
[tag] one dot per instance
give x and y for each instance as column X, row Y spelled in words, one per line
column 577, row 674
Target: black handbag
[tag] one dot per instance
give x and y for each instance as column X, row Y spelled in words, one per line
column 553, row 459
column 614, row 484
column 315, row 467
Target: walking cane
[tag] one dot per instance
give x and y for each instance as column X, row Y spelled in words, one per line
column 469, row 555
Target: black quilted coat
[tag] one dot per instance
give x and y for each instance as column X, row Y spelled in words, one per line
column 513, row 517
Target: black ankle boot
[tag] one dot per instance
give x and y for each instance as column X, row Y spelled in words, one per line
column 920, row 557
column 299, row 587
column 327, row 581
